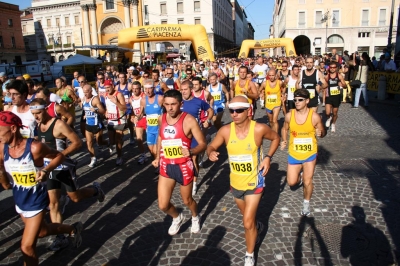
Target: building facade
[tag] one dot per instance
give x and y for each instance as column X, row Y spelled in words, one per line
column 318, row 26
column 214, row 15
column 12, row 48
column 29, row 35
column 57, row 25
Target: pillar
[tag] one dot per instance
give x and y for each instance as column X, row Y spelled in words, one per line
column 86, row 29
column 127, row 15
column 93, row 21
column 135, row 22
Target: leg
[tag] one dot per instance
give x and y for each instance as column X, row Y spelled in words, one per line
column 308, row 172
column 196, row 166
column 139, row 138
column 111, row 136
column 118, row 141
column 29, row 238
column 275, row 114
column 83, row 193
column 335, row 114
column 130, row 126
column 349, row 93
column 293, row 174
column 217, row 120
column 153, row 150
column 99, row 138
column 323, row 96
column 55, row 213
column 357, row 97
column 186, row 194
column 89, row 143
column 363, row 87
column 165, row 188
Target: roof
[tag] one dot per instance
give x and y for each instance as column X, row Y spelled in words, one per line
column 27, row 16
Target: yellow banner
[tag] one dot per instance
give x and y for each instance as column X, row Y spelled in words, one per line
column 392, row 81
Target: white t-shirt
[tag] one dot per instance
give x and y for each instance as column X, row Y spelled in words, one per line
column 261, row 70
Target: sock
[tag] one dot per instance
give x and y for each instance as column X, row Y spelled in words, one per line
column 177, row 218
column 306, row 201
column 249, row 254
column 195, row 218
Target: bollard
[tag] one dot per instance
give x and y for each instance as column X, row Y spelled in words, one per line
column 382, row 88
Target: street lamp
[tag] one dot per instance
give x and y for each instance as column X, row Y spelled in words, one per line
column 325, row 19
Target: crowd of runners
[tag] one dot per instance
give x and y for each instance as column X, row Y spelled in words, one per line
column 168, row 111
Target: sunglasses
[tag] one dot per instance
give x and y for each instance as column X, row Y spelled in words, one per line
column 238, row 111
column 298, row 100
column 333, row 67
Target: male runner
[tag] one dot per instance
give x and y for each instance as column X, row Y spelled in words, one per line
column 260, row 70
column 115, row 114
column 195, row 106
column 171, row 82
column 243, row 86
column 219, row 93
column 159, row 87
column 54, row 133
column 243, row 139
column 283, row 74
column 126, row 89
column 27, row 183
column 290, row 82
column 333, row 95
column 304, row 125
column 177, row 129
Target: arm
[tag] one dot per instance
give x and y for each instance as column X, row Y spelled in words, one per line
column 63, row 112
column 209, row 98
column 252, row 93
column 96, row 103
column 61, row 129
column 190, row 125
column 156, row 161
column 267, row 133
column 284, row 131
column 163, row 86
column 40, row 151
column 323, row 80
column 227, row 96
column 178, row 84
column 262, row 87
column 120, row 102
column 232, row 91
column 217, row 142
column 319, row 127
column 4, row 181
column 222, row 76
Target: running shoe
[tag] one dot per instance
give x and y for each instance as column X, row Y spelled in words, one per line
column 176, row 225
column 306, row 209
column 93, row 162
column 77, row 237
column 333, row 128
column 260, row 228
column 100, row 192
column 328, row 122
column 142, row 158
column 63, row 202
column 195, row 224
column 132, row 141
column 249, row 261
column 59, row 243
column 119, row 161
column 111, row 149
column 194, row 189
column 323, row 104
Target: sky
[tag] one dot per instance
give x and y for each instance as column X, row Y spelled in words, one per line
column 259, row 13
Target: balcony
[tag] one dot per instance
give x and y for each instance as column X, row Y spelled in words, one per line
column 59, row 47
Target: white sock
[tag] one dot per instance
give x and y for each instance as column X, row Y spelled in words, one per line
column 250, row 254
column 177, row 218
column 306, row 201
column 195, row 218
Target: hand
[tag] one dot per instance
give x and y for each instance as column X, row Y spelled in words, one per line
column 134, row 119
column 264, row 166
column 283, row 144
column 318, row 132
column 155, row 163
column 41, row 176
column 213, row 157
column 206, row 124
column 93, row 110
column 185, row 152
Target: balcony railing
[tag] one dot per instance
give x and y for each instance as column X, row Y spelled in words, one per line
column 65, row 46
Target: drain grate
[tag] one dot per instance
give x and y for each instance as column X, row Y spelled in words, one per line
column 357, row 168
column 326, row 237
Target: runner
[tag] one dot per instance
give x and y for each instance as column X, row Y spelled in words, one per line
column 28, row 184
column 75, row 83
column 92, row 108
column 195, row 106
column 159, row 87
column 304, row 125
column 290, row 82
column 219, row 93
column 322, row 70
column 31, row 91
column 171, row 82
column 217, row 71
column 333, row 95
column 115, row 114
column 67, row 94
column 126, row 89
column 243, row 139
column 311, row 80
column 177, row 130
column 273, row 89
column 140, row 124
column 283, row 74
column 243, row 86
column 55, row 133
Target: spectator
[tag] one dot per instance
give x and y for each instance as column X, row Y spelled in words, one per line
column 375, row 62
column 346, row 57
column 362, row 75
column 389, row 64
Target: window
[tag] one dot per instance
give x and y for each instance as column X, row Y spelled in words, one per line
column 363, row 34
column 197, row 21
column 76, row 20
column 302, row 19
column 57, row 22
column 26, row 42
column 364, row 18
column 335, row 39
column 48, row 22
column 23, row 28
column 10, row 22
column 13, row 42
column 1, row 42
column 163, row 8
column 197, row 6
column 317, row 41
column 51, row 41
column 109, row 4
column 41, row 44
column 68, row 39
column 318, row 17
column 164, row 22
column 180, row 20
column 382, row 17
column 146, row 13
column 66, row 21
column 317, row 51
column 179, row 6
column 335, row 18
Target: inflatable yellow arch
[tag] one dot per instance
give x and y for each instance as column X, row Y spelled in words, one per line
column 168, row 32
column 267, row 43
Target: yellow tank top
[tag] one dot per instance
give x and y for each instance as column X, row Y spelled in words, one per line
column 303, row 143
column 238, row 89
column 244, row 159
column 272, row 95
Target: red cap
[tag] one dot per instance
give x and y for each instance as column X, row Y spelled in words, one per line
column 108, row 82
column 8, row 119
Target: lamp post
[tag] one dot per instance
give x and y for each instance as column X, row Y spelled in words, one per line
column 325, row 19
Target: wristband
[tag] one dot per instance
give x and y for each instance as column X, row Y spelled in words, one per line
column 269, row 156
column 45, row 171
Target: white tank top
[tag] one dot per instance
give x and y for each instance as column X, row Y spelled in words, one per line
column 291, row 88
column 28, row 120
column 114, row 115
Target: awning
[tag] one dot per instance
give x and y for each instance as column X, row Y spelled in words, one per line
column 173, row 55
column 148, row 57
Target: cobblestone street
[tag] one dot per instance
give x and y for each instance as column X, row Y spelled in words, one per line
column 354, row 220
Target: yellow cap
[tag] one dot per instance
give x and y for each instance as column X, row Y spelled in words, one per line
column 26, row 76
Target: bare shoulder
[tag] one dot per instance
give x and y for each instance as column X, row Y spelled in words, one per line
column 315, row 117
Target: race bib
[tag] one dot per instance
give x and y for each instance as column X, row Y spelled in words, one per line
column 26, row 133
column 334, row 90
column 292, row 89
column 170, row 87
column 312, row 93
column 23, row 175
column 112, row 116
column 241, row 164
column 273, row 98
column 152, row 120
column 172, row 148
column 302, row 145
column 261, row 73
column 216, row 96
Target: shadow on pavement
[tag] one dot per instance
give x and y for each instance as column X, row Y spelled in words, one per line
column 210, row 253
